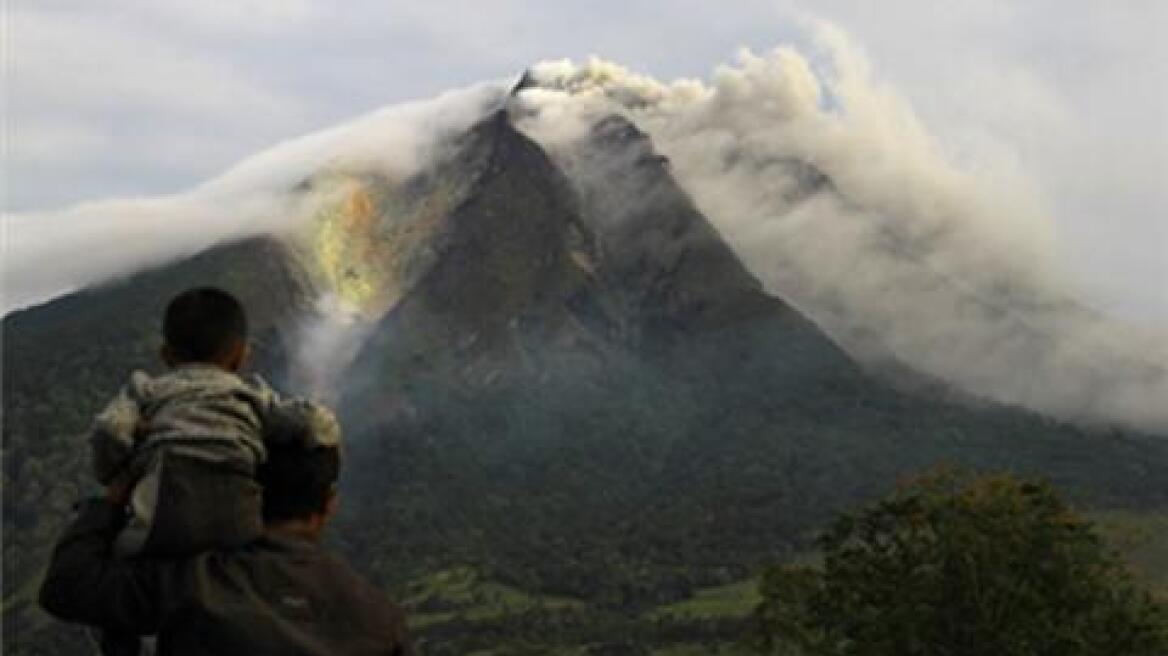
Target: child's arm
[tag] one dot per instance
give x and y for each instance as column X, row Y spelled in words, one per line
column 296, row 419
column 113, row 435
column 87, row 583
column 305, row 422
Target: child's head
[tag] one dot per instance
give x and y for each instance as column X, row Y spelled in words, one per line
column 205, row 325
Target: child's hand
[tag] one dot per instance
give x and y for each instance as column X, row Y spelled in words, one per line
column 141, row 430
column 119, row 489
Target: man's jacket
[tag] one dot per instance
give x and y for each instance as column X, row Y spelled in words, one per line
column 278, row 596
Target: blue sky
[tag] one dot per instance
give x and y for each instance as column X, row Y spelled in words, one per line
column 146, row 97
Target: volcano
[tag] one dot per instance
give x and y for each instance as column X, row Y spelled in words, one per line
column 585, row 409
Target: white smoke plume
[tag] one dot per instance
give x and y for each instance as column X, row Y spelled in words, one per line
column 50, row 253
column 327, row 345
column 904, row 258
column 54, row 252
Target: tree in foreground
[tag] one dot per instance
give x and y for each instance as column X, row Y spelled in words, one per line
column 953, row 565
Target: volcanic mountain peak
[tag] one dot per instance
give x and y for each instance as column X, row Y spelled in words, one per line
column 522, row 258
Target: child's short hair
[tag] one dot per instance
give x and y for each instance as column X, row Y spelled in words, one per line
column 203, row 324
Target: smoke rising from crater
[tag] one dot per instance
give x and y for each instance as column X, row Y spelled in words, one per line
column 903, row 257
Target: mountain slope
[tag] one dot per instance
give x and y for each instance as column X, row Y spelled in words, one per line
column 603, row 403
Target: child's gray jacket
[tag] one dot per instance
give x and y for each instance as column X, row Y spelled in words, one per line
column 192, row 439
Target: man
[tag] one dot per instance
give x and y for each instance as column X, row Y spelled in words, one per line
column 281, row 594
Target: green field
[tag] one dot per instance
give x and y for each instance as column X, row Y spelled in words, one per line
column 1141, row 539
column 731, row 600
column 461, row 601
column 460, row 594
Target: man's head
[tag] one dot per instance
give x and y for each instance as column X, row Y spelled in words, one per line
column 299, row 476
column 205, row 325
column 300, row 485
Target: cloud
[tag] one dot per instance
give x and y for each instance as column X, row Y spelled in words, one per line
column 93, row 93
column 103, row 64
column 1072, row 94
column 242, row 19
column 59, row 143
column 256, row 196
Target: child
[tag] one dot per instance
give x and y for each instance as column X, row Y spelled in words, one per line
column 189, row 441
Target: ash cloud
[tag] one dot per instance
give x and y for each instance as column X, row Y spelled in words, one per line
column 904, row 258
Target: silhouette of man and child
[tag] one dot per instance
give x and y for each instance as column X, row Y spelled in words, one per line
column 217, row 490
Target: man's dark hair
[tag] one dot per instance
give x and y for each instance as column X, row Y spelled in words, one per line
column 203, row 324
column 298, row 481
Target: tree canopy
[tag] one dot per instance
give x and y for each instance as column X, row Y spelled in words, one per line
column 957, row 565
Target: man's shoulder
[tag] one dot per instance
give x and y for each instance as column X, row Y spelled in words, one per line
column 296, row 578
column 371, row 608
column 270, row 557
column 349, row 583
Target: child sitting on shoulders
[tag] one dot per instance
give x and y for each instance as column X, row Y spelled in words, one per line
column 189, row 441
